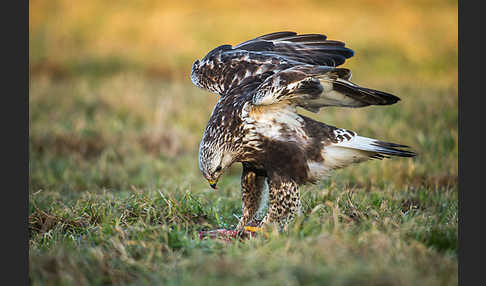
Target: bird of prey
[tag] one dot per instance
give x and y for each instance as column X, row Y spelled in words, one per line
column 260, row 83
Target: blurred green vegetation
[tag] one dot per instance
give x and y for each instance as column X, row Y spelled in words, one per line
column 116, row 196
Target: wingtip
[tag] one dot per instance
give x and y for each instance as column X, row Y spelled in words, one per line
column 350, row 53
column 387, row 98
column 394, row 149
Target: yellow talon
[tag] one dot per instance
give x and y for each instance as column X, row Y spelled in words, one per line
column 253, row 228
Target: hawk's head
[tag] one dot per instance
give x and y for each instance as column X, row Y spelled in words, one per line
column 213, row 161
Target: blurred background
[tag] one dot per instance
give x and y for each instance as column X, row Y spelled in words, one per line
column 161, row 39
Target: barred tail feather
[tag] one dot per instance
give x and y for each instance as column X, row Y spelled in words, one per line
column 355, row 150
column 377, row 149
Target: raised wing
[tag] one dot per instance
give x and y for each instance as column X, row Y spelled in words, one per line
column 312, row 49
column 313, row 87
column 227, row 67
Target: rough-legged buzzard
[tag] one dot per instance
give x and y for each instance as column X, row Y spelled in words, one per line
column 261, row 82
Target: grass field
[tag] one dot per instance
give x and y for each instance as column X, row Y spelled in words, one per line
column 115, row 193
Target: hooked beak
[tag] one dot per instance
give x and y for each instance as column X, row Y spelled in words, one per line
column 212, row 183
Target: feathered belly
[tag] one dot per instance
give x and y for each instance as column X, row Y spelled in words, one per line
column 277, row 123
column 277, row 140
column 307, row 149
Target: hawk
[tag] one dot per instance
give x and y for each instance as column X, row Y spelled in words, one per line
column 260, row 83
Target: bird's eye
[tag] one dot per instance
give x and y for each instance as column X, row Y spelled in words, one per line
column 218, row 169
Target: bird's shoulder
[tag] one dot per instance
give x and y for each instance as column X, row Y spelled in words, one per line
column 226, row 67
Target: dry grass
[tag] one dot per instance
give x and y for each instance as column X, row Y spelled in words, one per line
column 117, row 198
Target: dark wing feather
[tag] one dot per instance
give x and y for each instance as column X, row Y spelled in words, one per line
column 312, row 49
column 226, row 67
column 271, row 36
column 313, row 87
